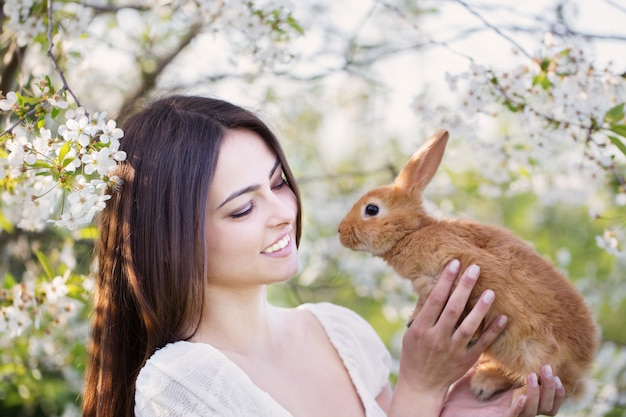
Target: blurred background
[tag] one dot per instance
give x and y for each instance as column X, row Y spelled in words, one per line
column 532, row 93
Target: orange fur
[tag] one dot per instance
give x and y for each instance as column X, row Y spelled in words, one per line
column 549, row 321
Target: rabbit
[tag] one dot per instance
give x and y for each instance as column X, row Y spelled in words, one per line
column 548, row 319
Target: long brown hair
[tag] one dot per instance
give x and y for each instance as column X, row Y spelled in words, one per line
column 151, row 252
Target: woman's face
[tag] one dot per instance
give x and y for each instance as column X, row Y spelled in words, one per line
column 251, row 215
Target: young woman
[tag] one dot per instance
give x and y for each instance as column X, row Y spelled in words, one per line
column 207, row 217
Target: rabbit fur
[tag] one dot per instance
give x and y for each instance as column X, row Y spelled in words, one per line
column 548, row 320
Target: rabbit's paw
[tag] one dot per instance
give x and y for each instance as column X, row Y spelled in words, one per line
column 486, row 383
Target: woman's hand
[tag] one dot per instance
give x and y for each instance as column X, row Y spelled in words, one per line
column 546, row 399
column 435, row 351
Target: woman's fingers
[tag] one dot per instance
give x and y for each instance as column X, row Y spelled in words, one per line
column 444, row 309
column 552, row 392
column 533, row 393
column 545, row 398
column 548, row 390
column 559, row 397
column 434, row 304
column 489, row 335
column 458, row 301
column 518, row 405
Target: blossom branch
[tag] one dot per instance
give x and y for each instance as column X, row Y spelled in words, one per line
column 53, row 58
column 494, row 28
column 102, row 8
column 148, row 81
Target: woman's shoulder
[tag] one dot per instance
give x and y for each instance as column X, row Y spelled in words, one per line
column 336, row 317
column 190, row 379
column 350, row 333
column 178, row 360
column 356, row 341
column 177, row 353
column 176, row 364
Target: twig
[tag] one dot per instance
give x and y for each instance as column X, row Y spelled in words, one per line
column 53, row 58
column 494, row 28
column 21, row 119
column 99, row 8
column 148, row 80
column 429, row 39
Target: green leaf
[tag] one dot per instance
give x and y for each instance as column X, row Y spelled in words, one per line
column 88, row 233
column 295, row 25
column 64, row 150
column 76, row 292
column 524, row 172
column 6, row 224
column 618, row 143
column 41, row 164
column 619, row 129
column 8, row 281
column 45, row 264
column 66, row 162
column 615, row 115
column 542, row 80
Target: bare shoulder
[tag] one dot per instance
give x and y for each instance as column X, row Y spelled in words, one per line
column 298, row 323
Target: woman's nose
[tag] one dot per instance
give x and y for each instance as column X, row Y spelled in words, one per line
column 284, row 208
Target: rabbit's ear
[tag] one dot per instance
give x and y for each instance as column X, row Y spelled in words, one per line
column 422, row 166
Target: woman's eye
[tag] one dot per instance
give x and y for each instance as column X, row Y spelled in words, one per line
column 247, row 210
column 281, row 184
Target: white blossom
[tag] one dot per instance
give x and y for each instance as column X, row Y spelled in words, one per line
column 55, row 290
column 42, row 143
column 100, row 161
column 79, row 130
column 608, row 241
column 57, row 101
column 16, row 320
column 8, row 103
column 20, row 152
column 111, row 132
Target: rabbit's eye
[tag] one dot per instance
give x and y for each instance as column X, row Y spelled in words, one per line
column 371, row 210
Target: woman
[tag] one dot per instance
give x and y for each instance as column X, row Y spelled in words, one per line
column 207, row 217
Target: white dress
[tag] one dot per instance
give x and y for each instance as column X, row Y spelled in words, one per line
column 195, row 379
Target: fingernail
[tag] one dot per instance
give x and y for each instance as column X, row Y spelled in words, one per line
column 454, row 266
column 558, row 383
column 533, row 380
column 502, row 321
column 547, row 371
column 473, row 271
column 488, row 296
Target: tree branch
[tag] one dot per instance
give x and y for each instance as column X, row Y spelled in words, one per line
column 495, row 29
column 148, row 81
column 109, row 8
column 53, row 58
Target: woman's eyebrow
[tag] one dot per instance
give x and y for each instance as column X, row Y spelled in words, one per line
column 250, row 188
column 274, row 168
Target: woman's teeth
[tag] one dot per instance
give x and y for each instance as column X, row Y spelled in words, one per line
column 278, row 245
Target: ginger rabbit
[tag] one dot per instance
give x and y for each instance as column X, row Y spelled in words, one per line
column 548, row 320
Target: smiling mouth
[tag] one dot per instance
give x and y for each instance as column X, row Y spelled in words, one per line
column 278, row 245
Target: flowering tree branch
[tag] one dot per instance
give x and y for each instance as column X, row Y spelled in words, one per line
column 148, row 79
column 53, row 58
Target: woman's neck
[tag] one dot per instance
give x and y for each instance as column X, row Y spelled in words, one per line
column 239, row 321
